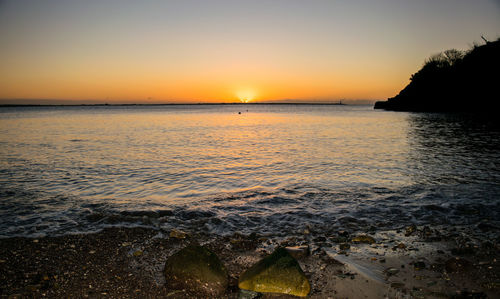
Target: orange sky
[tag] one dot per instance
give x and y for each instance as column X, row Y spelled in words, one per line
column 225, row 51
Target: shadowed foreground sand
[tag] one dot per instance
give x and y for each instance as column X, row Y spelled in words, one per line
column 129, row 262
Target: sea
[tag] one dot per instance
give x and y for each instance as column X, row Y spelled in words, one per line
column 223, row 169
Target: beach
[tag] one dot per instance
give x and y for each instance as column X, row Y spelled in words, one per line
column 129, row 263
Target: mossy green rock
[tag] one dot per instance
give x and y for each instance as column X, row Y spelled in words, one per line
column 276, row 273
column 196, row 270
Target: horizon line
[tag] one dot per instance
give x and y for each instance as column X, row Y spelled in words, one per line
column 184, row 104
column 88, row 102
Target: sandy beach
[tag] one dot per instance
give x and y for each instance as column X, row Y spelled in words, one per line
column 416, row 262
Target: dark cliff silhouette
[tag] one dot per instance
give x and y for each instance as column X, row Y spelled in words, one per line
column 453, row 81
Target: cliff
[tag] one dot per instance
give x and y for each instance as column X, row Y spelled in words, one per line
column 453, row 81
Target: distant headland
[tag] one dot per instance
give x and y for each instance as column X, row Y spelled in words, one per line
column 453, row 81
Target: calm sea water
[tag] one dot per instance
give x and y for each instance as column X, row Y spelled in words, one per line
column 273, row 169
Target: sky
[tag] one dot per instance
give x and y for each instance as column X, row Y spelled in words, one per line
column 227, row 51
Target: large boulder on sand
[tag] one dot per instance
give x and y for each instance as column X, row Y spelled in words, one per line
column 276, row 273
column 196, row 270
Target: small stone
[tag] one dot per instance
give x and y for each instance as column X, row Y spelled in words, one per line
column 419, row 265
column 246, row 294
column 276, row 273
column 391, row 271
column 397, row 285
column 344, row 246
column 363, row 239
column 125, row 244
column 409, row 230
column 137, row 253
column 399, row 246
column 298, row 252
column 177, row 234
column 417, row 294
column 92, row 252
column 35, row 241
column 343, row 233
column 320, row 239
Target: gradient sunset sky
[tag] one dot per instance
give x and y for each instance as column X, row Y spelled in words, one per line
column 224, row 51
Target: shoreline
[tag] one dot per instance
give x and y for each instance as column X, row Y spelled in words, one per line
column 418, row 262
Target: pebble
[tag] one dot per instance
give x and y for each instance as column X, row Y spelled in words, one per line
column 419, row 265
column 409, row 230
column 399, row 246
column 363, row 239
column 397, row 285
column 177, row 234
column 298, row 252
column 344, row 246
column 391, row 271
column 246, row 294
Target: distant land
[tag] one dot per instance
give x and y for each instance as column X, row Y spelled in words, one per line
column 49, row 102
column 453, row 81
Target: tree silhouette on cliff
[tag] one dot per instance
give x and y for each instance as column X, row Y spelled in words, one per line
column 453, row 81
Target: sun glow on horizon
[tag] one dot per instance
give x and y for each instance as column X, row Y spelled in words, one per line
column 246, row 95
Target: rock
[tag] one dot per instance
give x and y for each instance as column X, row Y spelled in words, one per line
column 343, row 233
column 178, row 234
column 419, row 265
column 363, row 239
column 399, row 246
column 457, row 265
column 298, row 252
column 276, row 273
column 344, row 246
column 485, row 227
column 391, row 271
column 198, row 270
column 397, row 285
column 320, row 239
column 409, row 230
column 245, row 294
column 137, row 253
column 339, row 239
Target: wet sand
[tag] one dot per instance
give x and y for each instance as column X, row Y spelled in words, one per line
column 128, row 263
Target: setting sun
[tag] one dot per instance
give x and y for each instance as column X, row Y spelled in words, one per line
column 246, row 95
